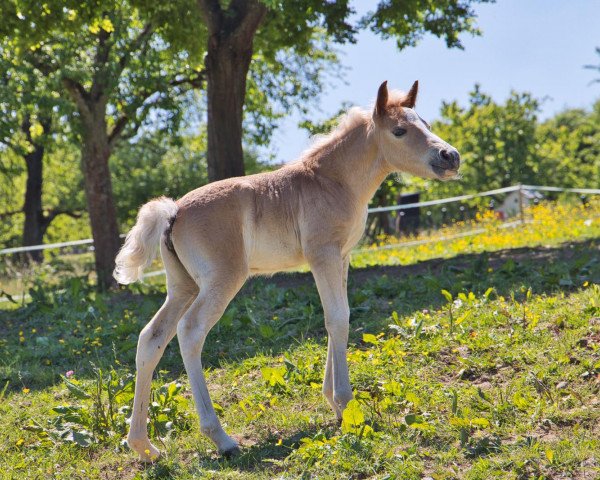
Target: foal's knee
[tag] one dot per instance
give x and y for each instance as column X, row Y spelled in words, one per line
column 337, row 325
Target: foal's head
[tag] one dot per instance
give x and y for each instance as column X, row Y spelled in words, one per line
column 405, row 140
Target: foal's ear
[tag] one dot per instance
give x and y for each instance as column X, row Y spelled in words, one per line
column 411, row 97
column 382, row 100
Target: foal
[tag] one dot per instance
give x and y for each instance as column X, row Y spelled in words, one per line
column 311, row 211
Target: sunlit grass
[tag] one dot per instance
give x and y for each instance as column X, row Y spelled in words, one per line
column 544, row 224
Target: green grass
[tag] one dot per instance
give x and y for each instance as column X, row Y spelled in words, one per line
column 500, row 383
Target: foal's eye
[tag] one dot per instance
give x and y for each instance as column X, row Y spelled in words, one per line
column 398, row 131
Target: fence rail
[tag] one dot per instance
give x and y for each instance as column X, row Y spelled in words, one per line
column 441, row 201
column 460, row 198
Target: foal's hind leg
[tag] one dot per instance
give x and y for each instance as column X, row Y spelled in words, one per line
column 152, row 342
column 206, row 310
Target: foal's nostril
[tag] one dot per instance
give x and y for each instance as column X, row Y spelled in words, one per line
column 455, row 159
column 445, row 154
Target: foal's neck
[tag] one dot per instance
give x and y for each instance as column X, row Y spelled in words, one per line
column 353, row 160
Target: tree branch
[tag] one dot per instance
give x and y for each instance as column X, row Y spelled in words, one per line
column 135, row 126
column 100, row 80
column 213, row 15
column 141, row 103
column 117, row 130
column 248, row 14
column 55, row 212
column 135, row 44
column 194, row 82
column 46, row 66
column 79, row 96
column 8, row 143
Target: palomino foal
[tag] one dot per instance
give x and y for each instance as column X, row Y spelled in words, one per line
column 311, row 211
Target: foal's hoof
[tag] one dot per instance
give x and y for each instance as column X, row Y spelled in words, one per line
column 147, row 452
column 230, row 452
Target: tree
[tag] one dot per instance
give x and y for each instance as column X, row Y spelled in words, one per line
column 569, row 148
column 62, row 191
column 595, row 67
column 156, row 164
column 112, row 68
column 26, row 128
column 497, row 142
column 240, row 34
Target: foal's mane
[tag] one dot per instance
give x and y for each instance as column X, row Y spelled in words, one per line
column 355, row 117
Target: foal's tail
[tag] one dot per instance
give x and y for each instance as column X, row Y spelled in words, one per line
column 140, row 245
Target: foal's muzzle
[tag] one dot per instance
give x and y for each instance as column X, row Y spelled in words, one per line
column 446, row 163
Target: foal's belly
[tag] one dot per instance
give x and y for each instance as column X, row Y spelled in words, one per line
column 271, row 251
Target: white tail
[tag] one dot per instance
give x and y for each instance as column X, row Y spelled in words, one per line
column 140, row 245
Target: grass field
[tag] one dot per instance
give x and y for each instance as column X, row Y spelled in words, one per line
column 473, row 365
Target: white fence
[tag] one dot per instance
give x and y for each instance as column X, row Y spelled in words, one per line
column 461, row 198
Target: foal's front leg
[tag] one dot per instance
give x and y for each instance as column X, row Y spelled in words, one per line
column 330, row 270
column 328, row 378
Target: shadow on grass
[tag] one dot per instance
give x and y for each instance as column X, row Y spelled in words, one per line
column 57, row 332
column 268, row 454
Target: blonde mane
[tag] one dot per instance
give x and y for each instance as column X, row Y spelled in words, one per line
column 352, row 119
column 355, row 117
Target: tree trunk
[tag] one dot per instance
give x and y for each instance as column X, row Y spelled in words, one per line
column 33, row 231
column 98, row 189
column 227, row 66
column 35, row 224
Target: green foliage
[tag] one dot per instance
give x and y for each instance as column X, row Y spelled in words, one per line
column 497, row 141
column 408, row 21
column 101, row 407
column 109, row 46
column 504, row 144
column 156, row 165
column 569, row 147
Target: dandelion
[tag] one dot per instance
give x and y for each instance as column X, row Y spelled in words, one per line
column 25, row 390
column 69, row 374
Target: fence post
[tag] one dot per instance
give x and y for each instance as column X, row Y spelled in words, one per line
column 521, row 211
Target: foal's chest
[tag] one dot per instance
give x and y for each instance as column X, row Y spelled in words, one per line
column 357, row 229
